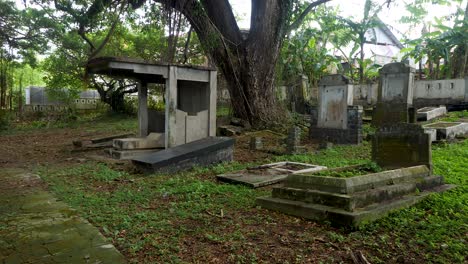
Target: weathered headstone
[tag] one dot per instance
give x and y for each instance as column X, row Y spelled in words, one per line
column 395, row 98
column 337, row 121
column 256, row 143
column 293, row 141
column 401, row 145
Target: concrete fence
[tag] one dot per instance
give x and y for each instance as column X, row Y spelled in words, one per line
column 426, row 93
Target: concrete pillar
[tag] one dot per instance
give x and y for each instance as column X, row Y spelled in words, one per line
column 142, row 109
column 466, row 89
column 212, row 105
column 171, row 108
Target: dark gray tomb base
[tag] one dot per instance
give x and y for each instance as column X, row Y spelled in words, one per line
column 351, row 135
column 202, row 152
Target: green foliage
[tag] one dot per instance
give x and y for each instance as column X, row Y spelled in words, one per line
column 305, row 52
column 455, row 116
column 5, row 119
column 333, row 157
column 438, row 225
column 442, row 47
column 91, row 122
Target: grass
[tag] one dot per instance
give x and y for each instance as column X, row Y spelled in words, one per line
column 92, row 121
column 190, row 217
column 366, row 168
column 454, row 116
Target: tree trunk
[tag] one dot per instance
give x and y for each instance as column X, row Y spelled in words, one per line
column 246, row 60
column 361, row 62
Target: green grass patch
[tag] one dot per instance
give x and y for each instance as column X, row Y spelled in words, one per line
column 351, row 171
column 454, row 116
column 152, row 218
column 91, row 122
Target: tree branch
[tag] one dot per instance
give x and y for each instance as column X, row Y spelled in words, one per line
column 109, row 34
column 304, row 14
column 222, row 17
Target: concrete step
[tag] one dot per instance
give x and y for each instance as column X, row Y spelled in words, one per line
column 129, row 154
column 152, row 141
column 357, row 183
column 356, row 200
column 341, row 217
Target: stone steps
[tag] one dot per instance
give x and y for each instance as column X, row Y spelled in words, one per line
column 351, row 202
column 340, row 217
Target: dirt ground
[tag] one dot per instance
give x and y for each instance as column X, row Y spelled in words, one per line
column 32, row 148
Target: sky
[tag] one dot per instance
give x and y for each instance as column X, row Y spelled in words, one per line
column 353, row 8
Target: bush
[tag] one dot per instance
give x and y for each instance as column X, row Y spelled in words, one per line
column 5, row 120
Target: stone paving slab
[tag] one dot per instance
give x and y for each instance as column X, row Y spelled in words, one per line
column 268, row 174
column 37, row 228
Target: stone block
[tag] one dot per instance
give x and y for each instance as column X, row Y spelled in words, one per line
column 432, row 133
column 268, row 174
column 401, row 145
column 448, row 130
column 152, row 141
column 429, row 113
column 129, row 154
column 256, row 143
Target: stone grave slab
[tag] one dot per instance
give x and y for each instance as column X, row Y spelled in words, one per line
column 448, row 130
column 429, row 113
column 268, row 174
column 203, row 152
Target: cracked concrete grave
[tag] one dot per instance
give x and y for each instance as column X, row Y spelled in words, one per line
column 37, row 228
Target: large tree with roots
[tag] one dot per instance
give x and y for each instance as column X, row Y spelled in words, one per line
column 246, row 59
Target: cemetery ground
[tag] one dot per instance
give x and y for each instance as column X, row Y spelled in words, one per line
column 191, row 217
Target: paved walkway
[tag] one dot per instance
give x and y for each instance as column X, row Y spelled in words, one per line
column 36, row 228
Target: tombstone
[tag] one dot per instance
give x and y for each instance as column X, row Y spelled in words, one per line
column 256, row 143
column 337, row 120
column 401, row 145
column 293, row 141
column 395, row 95
column 298, row 94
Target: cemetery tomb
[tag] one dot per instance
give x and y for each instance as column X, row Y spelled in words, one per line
column 190, row 112
column 337, row 120
column 448, row 130
column 395, row 95
column 350, row 201
column 429, row 113
column 353, row 195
